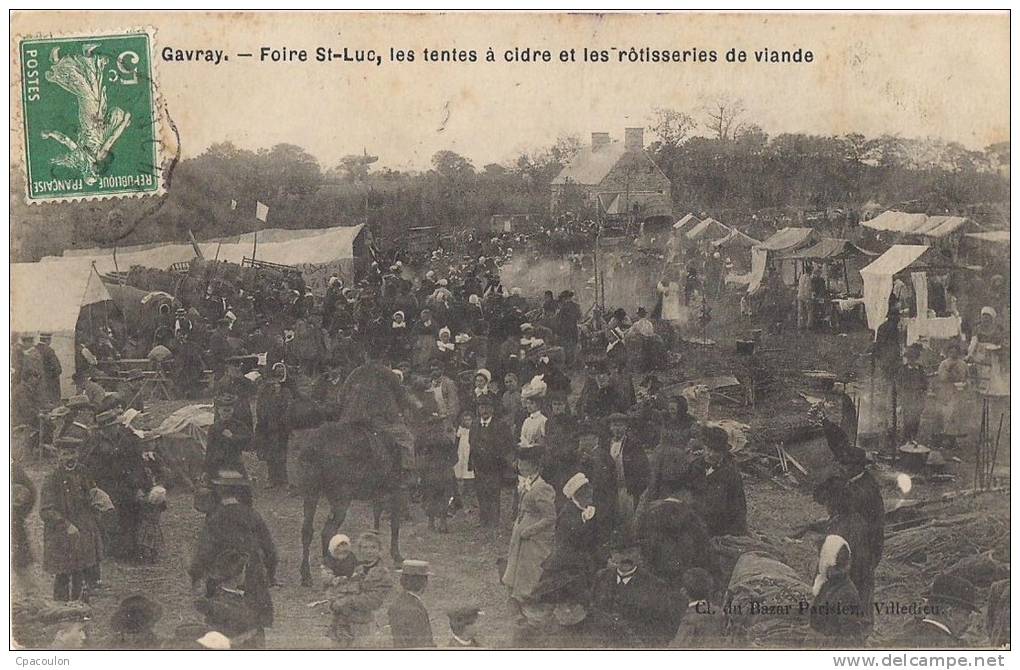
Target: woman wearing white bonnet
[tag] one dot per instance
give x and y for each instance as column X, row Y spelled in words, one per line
column 837, row 613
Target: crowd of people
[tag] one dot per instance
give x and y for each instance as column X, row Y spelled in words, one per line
column 619, row 497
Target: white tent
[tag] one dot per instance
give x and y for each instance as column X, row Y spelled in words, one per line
column 316, row 252
column 46, row 298
column 878, row 279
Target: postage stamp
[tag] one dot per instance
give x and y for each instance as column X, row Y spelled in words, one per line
column 90, row 117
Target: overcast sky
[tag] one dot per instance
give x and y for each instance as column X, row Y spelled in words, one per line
column 913, row 75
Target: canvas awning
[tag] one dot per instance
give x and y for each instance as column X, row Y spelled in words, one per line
column 48, row 299
column 286, row 247
column 787, row 239
column 992, row 237
column 736, row 239
column 878, row 278
column 917, row 224
column 829, row 248
column 688, row 220
column 708, row 229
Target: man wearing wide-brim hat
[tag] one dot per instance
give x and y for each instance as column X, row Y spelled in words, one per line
column 717, row 486
column 409, row 620
column 235, row 526
column 72, row 544
column 947, row 609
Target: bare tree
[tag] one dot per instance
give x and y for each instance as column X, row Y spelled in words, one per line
column 672, row 127
column 724, row 117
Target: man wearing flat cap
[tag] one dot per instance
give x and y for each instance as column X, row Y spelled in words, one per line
column 950, row 603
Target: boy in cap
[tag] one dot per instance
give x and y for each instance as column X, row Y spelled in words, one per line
column 462, row 627
column 409, row 620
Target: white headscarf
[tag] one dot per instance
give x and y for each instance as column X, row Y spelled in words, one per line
column 827, row 559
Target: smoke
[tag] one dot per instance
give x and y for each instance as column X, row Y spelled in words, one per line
column 629, row 279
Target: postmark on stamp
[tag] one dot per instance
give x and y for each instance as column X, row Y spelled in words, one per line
column 90, row 118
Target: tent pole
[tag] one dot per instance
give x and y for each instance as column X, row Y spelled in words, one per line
column 846, row 277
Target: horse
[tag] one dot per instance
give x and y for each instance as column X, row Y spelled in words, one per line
column 343, row 462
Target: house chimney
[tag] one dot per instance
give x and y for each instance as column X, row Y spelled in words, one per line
column 599, row 140
column 634, row 139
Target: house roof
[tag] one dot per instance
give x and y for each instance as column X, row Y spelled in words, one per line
column 649, row 203
column 830, row 248
column 709, row 228
column 916, row 224
column 590, row 167
column 787, row 239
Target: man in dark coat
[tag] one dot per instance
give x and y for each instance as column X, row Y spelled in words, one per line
column 951, row 601
column 219, row 346
column 188, row 365
column 560, row 462
column 51, row 368
column 491, row 447
column 628, row 456
column 886, row 350
column 227, row 439
column 115, row 465
column 598, row 397
column 673, row 536
column 72, row 545
column 596, row 464
column 409, row 620
column 235, row 529
column 567, row 317
column 26, row 401
column 373, row 393
column 834, row 494
column 641, row 607
column 864, row 492
column 716, row 486
column 272, row 433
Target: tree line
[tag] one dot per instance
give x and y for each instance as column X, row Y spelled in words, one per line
column 718, row 161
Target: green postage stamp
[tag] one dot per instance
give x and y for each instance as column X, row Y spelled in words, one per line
column 91, row 125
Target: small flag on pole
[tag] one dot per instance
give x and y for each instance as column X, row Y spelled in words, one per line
column 233, row 205
column 261, row 211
